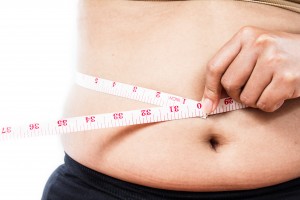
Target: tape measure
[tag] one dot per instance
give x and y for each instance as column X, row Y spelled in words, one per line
column 172, row 107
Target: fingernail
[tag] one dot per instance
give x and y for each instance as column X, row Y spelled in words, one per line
column 207, row 106
column 278, row 106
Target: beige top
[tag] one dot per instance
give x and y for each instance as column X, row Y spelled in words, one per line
column 293, row 5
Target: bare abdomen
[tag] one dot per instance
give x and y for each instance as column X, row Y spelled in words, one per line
column 165, row 46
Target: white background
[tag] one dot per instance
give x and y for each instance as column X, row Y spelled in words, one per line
column 37, row 57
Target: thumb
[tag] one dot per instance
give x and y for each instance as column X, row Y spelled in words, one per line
column 211, row 97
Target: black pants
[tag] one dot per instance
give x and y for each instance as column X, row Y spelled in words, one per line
column 73, row 181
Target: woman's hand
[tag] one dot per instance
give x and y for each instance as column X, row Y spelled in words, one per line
column 258, row 68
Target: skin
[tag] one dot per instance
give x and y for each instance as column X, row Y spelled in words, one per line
column 166, row 46
column 257, row 67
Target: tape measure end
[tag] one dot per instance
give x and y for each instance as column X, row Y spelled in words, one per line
column 204, row 116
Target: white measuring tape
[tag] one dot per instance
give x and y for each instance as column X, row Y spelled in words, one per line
column 172, row 107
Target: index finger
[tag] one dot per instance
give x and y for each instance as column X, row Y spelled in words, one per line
column 215, row 70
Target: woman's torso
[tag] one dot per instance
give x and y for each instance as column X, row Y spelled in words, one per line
column 165, row 46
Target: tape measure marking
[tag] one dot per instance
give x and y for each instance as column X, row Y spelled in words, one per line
column 172, row 107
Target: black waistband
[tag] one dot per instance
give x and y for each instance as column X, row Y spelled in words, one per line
column 124, row 190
